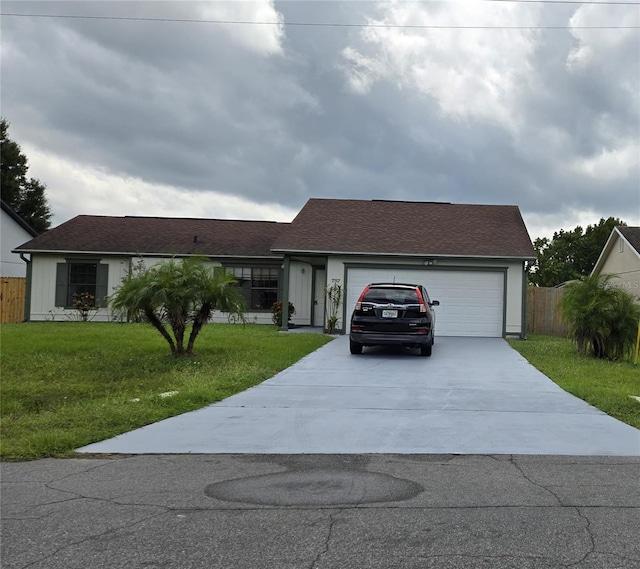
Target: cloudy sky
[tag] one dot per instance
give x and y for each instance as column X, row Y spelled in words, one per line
column 247, row 109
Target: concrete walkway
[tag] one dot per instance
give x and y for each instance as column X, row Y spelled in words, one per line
column 473, row 396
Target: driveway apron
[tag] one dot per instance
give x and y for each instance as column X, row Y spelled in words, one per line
column 473, row 396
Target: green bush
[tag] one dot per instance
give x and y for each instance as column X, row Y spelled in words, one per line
column 276, row 313
column 179, row 293
column 603, row 318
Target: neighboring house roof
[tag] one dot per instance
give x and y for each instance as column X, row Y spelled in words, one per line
column 21, row 222
column 631, row 235
column 158, row 236
column 407, row 228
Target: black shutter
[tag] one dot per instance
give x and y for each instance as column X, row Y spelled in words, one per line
column 102, row 279
column 62, row 282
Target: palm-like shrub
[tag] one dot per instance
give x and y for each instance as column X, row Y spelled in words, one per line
column 179, row 294
column 603, row 318
column 623, row 326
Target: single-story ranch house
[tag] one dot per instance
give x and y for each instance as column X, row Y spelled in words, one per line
column 472, row 258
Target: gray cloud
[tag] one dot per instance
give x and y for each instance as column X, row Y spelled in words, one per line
column 269, row 114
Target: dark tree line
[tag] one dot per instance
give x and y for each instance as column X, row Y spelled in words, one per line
column 570, row 255
column 26, row 196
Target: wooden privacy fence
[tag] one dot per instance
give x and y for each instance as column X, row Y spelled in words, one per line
column 543, row 313
column 12, row 295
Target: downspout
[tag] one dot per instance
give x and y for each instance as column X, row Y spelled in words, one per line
column 285, row 294
column 525, row 284
column 27, row 294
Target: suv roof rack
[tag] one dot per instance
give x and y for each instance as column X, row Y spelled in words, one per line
column 393, row 284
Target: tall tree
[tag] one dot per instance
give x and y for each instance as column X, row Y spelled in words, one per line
column 570, row 255
column 25, row 195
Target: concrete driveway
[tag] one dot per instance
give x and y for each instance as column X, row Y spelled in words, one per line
column 473, row 396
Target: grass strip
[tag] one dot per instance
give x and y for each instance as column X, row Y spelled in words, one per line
column 64, row 385
column 607, row 385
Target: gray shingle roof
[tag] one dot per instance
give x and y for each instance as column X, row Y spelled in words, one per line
column 323, row 225
column 632, row 235
column 159, row 235
column 407, row 228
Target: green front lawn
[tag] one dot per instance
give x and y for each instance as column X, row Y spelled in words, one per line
column 604, row 384
column 67, row 384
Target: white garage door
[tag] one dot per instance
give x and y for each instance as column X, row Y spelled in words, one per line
column 471, row 302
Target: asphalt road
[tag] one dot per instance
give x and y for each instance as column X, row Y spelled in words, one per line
column 321, row 511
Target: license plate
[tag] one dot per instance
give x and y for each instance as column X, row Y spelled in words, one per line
column 389, row 313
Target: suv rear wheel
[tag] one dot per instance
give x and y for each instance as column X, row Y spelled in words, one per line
column 354, row 347
column 426, row 350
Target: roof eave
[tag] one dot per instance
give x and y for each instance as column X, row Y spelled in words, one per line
column 420, row 255
column 21, row 222
column 137, row 254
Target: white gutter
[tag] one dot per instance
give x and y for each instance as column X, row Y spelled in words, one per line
column 138, row 254
column 416, row 255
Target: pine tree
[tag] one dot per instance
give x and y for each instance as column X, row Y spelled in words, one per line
column 26, row 196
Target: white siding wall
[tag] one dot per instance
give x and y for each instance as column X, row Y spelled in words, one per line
column 252, row 317
column 11, row 236
column 218, row 316
column 300, row 285
column 43, row 288
column 44, row 285
column 515, row 277
column 623, row 261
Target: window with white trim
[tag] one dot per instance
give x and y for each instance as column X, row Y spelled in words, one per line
column 259, row 285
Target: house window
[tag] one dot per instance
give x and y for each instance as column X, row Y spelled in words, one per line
column 82, row 279
column 78, row 277
column 259, row 285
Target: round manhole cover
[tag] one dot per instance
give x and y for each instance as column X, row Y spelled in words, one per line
column 320, row 487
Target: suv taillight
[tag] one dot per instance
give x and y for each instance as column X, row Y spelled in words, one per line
column 359, row 303
column 423, row 304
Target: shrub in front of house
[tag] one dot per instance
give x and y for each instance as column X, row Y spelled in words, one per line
column 175, row 295
column 276, row 312
column 603, row 318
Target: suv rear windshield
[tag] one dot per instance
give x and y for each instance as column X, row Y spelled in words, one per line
column 391, row 295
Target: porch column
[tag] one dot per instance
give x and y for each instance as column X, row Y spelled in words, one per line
column 27, row 292
column 285, row 293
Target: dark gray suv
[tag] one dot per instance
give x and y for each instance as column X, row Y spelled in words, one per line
column 393, row 314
